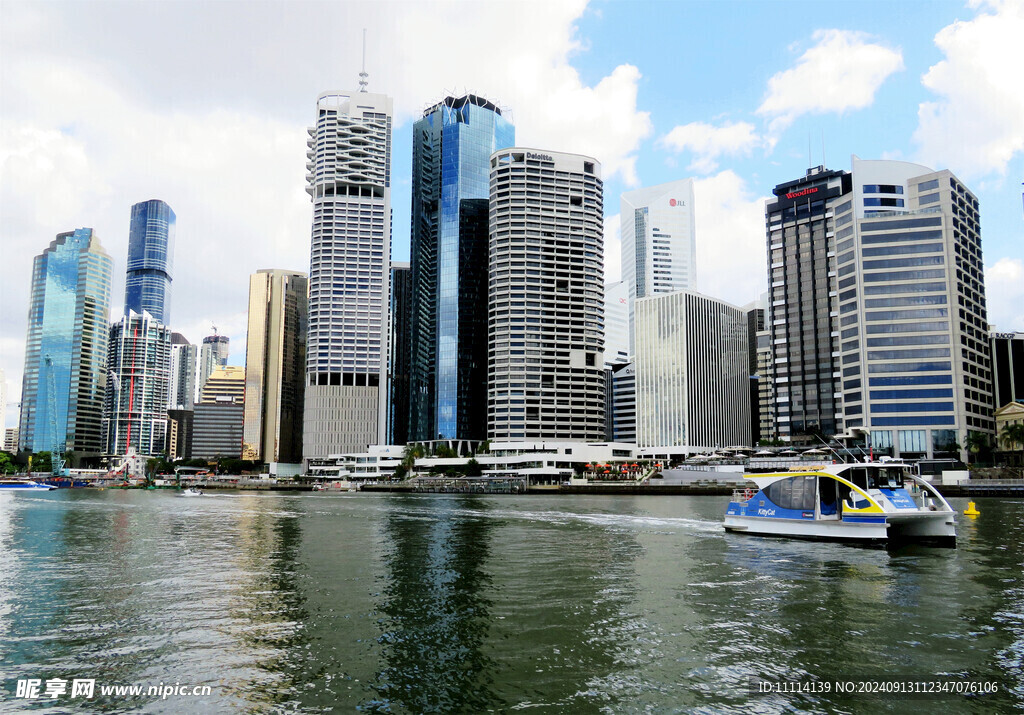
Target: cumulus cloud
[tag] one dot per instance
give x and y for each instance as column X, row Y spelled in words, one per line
column 1004, row 289
column 730, row 238
column 708, row 142
column 977, row 123
column 212, row 121
column 841, row 72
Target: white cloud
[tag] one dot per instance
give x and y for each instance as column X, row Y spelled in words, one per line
column 730, row 239
column 1004, row 292
column 977, row 124
column 708, row 142
column 841, row 72
column 612, row 249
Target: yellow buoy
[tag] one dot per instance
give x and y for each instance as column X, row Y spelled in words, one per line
column 971, row 510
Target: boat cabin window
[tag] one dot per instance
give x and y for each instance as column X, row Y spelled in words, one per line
column 792, row 493
column 877, row 477
column 890, row 478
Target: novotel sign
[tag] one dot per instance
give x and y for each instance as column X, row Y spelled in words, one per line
column 804, row 192
column 538, row 157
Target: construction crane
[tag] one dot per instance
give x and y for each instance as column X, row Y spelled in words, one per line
column 57, row 464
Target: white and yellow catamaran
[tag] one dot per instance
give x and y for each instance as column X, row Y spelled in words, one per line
column 871, row 503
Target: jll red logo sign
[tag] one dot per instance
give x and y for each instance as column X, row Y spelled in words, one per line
column 673, row 202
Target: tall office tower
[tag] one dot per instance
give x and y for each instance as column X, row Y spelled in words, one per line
column 219, row 415
column 755, row 313
column 147, row 286
column 659, row 245
column 213, row 353
column 65, row 354
column 275, row 366
column 692, row 388
column 765, row 404
column 913, row 328
column 181, row 392
column 346, row 354
column 399, row 353
column 546, row 297
column 451, row 152
column 802, row 288
column 616, row 323
column 135, row 405
column 623, row 412
column 1007, row 368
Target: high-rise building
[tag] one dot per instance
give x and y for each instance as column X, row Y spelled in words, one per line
column 916, row 357
column 1007, row 368
column 879, row 326
column 11, row 440
column 452, row 147
column 755, row 313
column 275, row 366
column 219, row 416
column 659, row 246
column 181, row 393
column 692, row 387
column 138, row 388
column 623, row 407
column 64, row 378
column 213, row 353
column 616, row 323
column 546, row 297
column 399, row 353
column 802, row 288
column 150, row 260
column 349, row 175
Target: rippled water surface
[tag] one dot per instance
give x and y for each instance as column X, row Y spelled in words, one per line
column 449, row 603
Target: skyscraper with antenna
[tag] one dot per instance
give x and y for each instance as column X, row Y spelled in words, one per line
column 349, row 183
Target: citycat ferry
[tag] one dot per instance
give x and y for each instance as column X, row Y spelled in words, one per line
column 870, row 503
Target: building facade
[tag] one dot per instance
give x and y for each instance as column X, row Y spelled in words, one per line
column 399, row 353
column 452, row 147
column 916, row 357
column 138, row 367
column 65, row 353
column 275, row 366
column 801, row 294
column 1007, row 368
column 213, row 353
column 546, row 297
column 616, row 323
column 623, row 384
column 182, row 388
column 150, row 260
column 349, row 182
column 755, row 313
column 692, row 385
column 659, row 246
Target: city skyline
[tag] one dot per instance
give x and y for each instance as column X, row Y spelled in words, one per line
column 917, row 70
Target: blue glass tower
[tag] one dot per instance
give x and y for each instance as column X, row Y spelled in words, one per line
column 150, row 260
column 65, row 353
column 452, row 146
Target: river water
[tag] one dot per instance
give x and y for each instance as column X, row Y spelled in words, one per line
column 476, row 603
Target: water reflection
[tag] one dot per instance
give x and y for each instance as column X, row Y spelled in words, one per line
column 435, row 611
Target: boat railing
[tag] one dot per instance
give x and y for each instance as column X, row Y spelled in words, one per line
column 743, row 495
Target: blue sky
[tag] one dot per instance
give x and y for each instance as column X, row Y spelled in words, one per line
column 100, row 112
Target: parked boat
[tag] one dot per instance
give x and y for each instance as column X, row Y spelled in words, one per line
column 13, row 483
column 871, row 503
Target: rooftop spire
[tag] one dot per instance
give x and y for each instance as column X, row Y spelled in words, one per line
column 362, row 75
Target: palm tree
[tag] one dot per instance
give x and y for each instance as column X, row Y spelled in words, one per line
column 1014, row 434
column 977, row 442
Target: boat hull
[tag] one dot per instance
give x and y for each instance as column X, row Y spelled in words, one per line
column 937, row 529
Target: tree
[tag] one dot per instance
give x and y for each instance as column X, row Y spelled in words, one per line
column 41, row 462
column 473, row 469
column 7, row 463
column 977, row 443
column 1014, row 434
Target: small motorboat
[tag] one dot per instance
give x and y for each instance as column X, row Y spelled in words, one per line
column 869, row 503
column 191, row 492
column 14, row 483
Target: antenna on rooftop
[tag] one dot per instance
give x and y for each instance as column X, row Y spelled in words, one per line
column 823, row 163
column 362, row 75
column 214, row 329
column 810, row 162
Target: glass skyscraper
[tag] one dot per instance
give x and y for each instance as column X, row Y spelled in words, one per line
column 62, row 388
column 150, row 260
column 452, row 146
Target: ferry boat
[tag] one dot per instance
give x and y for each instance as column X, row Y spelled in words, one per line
column 871, row 503
column 8, row 483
